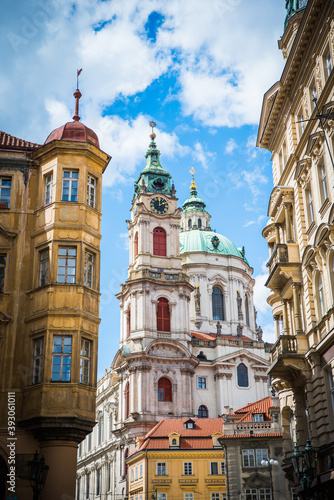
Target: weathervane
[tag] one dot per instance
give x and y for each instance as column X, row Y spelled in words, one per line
column 78, row 74
column 327, row 116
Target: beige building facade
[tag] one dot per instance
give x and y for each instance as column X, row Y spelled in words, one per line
column 297, row 127
column 50, row 215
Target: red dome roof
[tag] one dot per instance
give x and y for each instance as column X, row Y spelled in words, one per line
column 74, row 131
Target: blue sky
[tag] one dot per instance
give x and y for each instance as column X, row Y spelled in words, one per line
column 198, row 68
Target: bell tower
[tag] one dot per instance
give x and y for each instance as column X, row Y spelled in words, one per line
column 154, row 300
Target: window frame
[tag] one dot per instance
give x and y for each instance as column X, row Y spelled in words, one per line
column 5, row 198
column 72, row 187
column 161, row 469
column 38, row 354
column 203, row 411
column 188, row 469
column 163, row 315
column 62, row 355
column 85, row 361
column 43, row 278
column 91, row 191
column 89, row 267
column 48, row 188
column 309, row 205
column 214, row 468
column 201, row 383
column 242, row 377
column 69, row 259
column 248, row 457
column 218, row 309
column 165, row 391
column 323, row 185
column 159, row 242
column 3, row 264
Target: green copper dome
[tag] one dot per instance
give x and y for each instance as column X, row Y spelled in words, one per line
column 196, row 240
column 153, row 178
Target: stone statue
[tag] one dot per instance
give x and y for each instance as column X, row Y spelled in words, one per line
column 239, row 302
column 259, row 333
column 197, row 297
column 219, row 329
column 239, row 330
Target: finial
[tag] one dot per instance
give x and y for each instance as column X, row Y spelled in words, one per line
column 77, row 94
column 193, row 185
column 152, row 125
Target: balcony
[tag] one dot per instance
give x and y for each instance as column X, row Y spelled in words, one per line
column 284, row 265
column 287, row 357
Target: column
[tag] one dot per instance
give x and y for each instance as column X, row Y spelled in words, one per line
column 277, row 235
column 288, row 222
column 296, row 307
column 285, row 317
column 276, row 321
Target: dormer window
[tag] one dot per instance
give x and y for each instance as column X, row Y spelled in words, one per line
column 174, row 440
column 258, row 417
column 190, row 424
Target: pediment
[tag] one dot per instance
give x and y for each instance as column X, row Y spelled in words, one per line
column 235, row 356
column 167, row 349
column 217, row 278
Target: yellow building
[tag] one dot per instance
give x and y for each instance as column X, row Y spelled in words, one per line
column 179, row 459
column 50, row 214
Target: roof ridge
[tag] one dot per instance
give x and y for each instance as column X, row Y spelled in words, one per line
column 8, row 140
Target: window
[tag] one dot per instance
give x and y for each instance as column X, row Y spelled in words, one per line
column 242, row 373
column 66, row 265
column 215, row 496
column 162, row 496
column 188, row 496
column 159, row 242
column 61, row 359
column 189, row 224
column 201, row 382
column 91, row 191
column 187, row 468
column 135, row 242
column 127, row 400
column 70, row 185
column 43, row 267
column 321, row 298
column 313, row 94
column 257, row 494
column 140, row 471
column 174, row 442
column 89, row 269
column 217, row 304
column 163, row 315
column 247, row 310
column 164, row 389
column 222, row 467
column 214, row 468
column 328, row 63
column 309, row 205
column 199, row 223
column 2, row 271
column 38, row 361
column 88, row 485
column 248, row 458
column 85, row 355
column 203, row 412
column 323, row 182
column 128, row 321
column 161, row 469
column 131, row 475
column 136, row 473
column 258, row 417
column 253, row 458
column 5, row 188
column 48, row 189
column 331, row 386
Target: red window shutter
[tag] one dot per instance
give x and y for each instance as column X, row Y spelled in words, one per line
column 163, row 315
column 159, row 242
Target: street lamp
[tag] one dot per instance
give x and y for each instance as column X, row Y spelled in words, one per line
column 305, row 464
column 37, row 470
column 269, row 462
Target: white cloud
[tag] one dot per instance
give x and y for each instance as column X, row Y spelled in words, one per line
column 231, row 145
column 261, row 293
column 125, row 239
column 202, row 156
column 250, row 179
column 257, row 221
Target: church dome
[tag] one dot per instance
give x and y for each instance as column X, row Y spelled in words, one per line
column 74, row 131
column 197, row 240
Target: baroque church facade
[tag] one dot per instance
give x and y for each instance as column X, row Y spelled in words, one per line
column 189, row 342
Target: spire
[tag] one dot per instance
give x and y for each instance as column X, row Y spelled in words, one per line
column 77, row 94
column 193, row 203
column 154, row 176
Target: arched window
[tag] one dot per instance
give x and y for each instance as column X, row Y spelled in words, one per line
column 199, row 223
column 217, row 304
column 164, row 389
column 128, row 321
column 247, row 310
column 127, row 400
column 163, row 315
column 135, row 243
column 174, row 442
column 321, row 298
column 203, row 412
column 159, row 241
column 242, row 373
column 189, row 224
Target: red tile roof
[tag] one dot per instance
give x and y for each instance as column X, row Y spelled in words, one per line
column 261, row 406
column 198, row 438
column 213, row 336
column 8, row 141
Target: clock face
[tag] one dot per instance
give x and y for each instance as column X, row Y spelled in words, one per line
column 159, row 205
